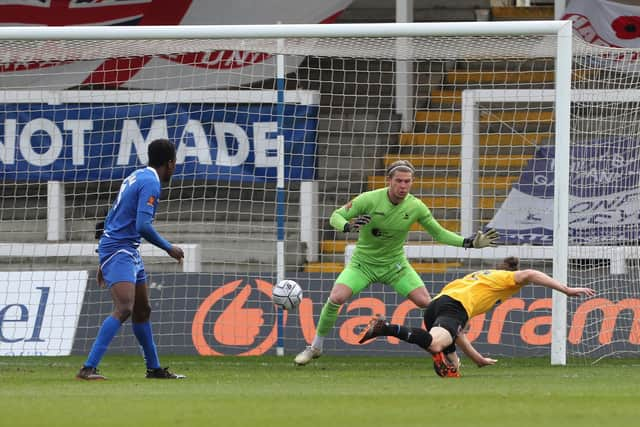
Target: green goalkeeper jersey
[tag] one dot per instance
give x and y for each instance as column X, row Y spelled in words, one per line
column 382, row 240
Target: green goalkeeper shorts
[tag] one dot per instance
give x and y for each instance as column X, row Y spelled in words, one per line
column 400, row 275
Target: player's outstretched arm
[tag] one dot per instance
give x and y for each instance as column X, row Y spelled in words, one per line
column 482, row 239
column 467, row 348
column 145, row 228
column 538, row 277
column 439, row 233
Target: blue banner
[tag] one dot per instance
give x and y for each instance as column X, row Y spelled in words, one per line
column 604, row 196
column 80, row 142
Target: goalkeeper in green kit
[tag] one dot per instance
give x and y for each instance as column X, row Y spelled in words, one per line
column 383, row 218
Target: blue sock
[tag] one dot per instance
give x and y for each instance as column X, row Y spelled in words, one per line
column 144, row 335
column 108, row 330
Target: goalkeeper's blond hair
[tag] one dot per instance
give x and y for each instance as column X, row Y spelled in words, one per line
column 401, row 166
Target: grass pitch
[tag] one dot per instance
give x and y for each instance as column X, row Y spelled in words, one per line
column 333, row 391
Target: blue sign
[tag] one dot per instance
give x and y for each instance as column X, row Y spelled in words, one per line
column 597, row 168
column 604, row 196
column 80, row 142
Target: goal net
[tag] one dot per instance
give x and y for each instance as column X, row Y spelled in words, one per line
column 275, row 132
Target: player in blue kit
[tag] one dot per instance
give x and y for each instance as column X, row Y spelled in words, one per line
column 121, row 268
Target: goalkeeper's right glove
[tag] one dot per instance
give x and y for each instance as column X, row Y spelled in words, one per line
column 356, row 223
column 481, row 240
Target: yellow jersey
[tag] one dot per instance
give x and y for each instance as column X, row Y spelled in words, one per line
column 478, row 292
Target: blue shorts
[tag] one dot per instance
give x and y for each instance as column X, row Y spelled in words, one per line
column 124, row 265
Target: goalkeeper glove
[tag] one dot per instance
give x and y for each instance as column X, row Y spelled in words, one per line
column 481, row 240
column 356, row 223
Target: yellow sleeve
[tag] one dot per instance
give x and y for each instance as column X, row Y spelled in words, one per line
column 508, row 278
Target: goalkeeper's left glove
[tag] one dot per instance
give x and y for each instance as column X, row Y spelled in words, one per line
column 357, row 223
column 482, row 240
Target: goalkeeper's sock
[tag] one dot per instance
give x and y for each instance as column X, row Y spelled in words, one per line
column 108, row 330
column 318, row 342
column 143, row 333
column 328, row 317
column 416, row 336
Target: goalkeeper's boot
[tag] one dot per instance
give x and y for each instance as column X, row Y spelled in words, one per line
column 163, row 374
column 307, row 355
column 89, row 374
column 377, row 328
column 443, row 367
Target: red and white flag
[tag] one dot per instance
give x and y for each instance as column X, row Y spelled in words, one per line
column 157, row 72
column 605, row 23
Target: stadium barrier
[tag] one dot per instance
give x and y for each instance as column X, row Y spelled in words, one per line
column 616, row 255
column 190, row 264
column 309, row 230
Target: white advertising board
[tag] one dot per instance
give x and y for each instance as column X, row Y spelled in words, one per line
column 39, row 311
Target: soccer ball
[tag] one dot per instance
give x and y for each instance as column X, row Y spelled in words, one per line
column 287, row 294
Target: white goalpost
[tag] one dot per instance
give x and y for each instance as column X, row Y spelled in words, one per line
column 562, row 250
column 276, row 126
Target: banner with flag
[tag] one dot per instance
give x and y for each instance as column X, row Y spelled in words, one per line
column 143, row 72
column 604, row 196
column 605, row 23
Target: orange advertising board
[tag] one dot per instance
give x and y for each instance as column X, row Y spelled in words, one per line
column 519, row 321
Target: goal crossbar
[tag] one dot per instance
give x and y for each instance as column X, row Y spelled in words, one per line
column 170, row 32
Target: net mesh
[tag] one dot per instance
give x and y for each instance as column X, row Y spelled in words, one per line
column 604, row 191
column 81, row 113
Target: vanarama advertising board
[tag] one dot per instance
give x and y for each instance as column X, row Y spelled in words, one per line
column 233, row 315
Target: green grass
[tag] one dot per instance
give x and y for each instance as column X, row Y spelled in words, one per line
column 332, row 392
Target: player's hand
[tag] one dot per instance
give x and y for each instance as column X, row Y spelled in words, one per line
column 176, row 253
column 356, row 223
column 100, row 279
column 482, row 239
column 575, row 292
column 485, row 361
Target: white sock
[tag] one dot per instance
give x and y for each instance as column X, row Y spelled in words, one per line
column 317, row 342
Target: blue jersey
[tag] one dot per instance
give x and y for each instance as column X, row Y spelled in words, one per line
column 139, row 192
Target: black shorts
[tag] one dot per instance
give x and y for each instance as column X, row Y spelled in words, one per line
column 446, row 313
